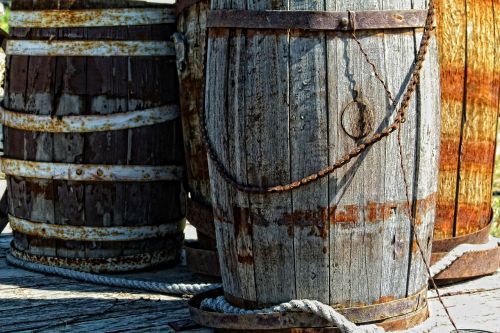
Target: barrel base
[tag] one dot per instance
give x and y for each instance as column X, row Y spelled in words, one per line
column 295, row 322
column 120, row 264
column 202, row 261
column 470, row 265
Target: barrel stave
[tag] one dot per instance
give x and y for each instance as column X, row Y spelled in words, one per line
column 96, row 86
column 346, row 239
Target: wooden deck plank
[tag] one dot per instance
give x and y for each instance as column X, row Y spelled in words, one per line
column 31, row 302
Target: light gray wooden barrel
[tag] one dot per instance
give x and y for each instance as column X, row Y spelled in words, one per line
column 279, row 107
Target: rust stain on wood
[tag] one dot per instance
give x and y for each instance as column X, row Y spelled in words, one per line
column 482, row 87
column 476, row 155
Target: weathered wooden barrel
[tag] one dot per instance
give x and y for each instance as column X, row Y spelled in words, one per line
column 470, row 96
column 191, row 43
column 290, row 92
column 93, row 142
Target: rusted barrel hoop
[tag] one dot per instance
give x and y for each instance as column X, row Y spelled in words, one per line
column 91, row 172
column 100, row 265
column 362, row 314
column 181, row 5
column 86, row 123
column 89, row 48
column 89, row 18
column 312, row 20
column 94, row 234
column 448, row 244
column 410, row 306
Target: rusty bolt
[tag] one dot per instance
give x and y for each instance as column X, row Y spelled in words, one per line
column 100, row 173
column 79, row 172
column 344, row 22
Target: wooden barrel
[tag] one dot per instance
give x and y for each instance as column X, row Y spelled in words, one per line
column 191, row 43
column 470, row 98
column 290, row 92
column 93, row 142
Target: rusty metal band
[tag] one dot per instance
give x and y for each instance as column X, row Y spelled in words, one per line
column 394, row 315
column 102, row 265
column 315, row 20
column 181, row 5
column 91, row 172
column 90, row 18
column 448, row 244
column 87, row 123
column 201, row 217
column 89, row 48
column 364, row 314
column 202, row 261
column 94, row 234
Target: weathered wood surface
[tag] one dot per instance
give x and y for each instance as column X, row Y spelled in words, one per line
column 89, row 86
column 33, row 302
column 275, row 107
column 470, row 86
column 192, row 24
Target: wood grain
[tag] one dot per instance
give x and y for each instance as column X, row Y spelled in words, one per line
column 31, row 301
column 470, row 97
column 94, row 86
column 345, row 239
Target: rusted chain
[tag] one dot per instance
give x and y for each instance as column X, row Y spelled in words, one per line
column 357, row 151
column 352, row 20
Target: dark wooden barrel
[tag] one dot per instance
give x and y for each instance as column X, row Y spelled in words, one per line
column 289, row 93
column 191, row 43
column 470, row 98
column 93, row 142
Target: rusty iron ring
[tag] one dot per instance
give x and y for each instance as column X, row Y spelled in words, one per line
column 119, row 264
column 359, row 102
column 394, row 315
column 400, row 118
column 202, row 261
column 88, row 123
column 94, row 234
column 91, row 172
column 448, row 244
column 89, row 48
column 200, row 215
column 181, row 5
column 90, row 18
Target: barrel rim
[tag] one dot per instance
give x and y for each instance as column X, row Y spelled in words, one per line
column 278, row 321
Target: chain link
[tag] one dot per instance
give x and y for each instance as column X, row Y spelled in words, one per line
column 359, row 149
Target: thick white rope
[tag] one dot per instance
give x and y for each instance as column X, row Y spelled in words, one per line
column 220, row 304
column 166, row 288
column 458, row 252
column 325, row 311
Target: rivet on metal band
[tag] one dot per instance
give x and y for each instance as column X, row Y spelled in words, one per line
column 86, row 123
column 84, row 48
column 91, row 172
column 110, row 17
column 93, row 234
column 314, row 20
